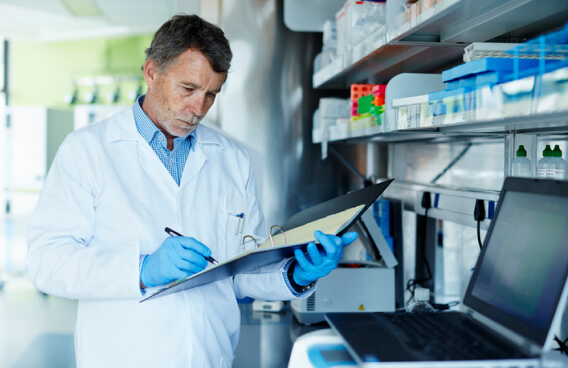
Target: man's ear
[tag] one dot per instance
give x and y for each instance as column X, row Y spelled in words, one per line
column 150, row 71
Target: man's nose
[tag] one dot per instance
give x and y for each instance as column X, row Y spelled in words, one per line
column 198, row 104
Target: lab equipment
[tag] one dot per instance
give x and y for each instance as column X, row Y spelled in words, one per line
column 267, row 306
column 503, row 331
column 543, row 166
column 421, row 302
column 358, row 284
column 557, row 164
column 325, row 120
column 382, row 215
column 521, row 164
column 320, row 349
column 326, row 349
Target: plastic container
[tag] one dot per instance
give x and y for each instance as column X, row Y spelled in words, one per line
column 421, row 304
column 543, row 166
column 518, row 96
column 554, row 91
column 331, row 107
column 557, row 165
column 521, row 164
column 410, row 111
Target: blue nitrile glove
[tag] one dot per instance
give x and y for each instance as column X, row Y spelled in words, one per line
column 178, row 257
column 321, row 264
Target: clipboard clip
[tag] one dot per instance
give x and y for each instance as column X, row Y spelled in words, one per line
column 253, row 239
column 282, row 231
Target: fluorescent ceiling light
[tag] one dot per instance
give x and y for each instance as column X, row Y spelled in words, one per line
column 81, row 7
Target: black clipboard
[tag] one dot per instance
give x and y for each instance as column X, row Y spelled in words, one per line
column 258, row 258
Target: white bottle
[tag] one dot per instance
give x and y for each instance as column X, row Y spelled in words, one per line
column 521, row 164
column 557, row 164
column 543, row 164
column 421, row 304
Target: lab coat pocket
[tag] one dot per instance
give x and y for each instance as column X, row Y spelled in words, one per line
column 232, row 222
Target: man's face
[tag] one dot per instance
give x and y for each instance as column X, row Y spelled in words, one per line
column 180, row 96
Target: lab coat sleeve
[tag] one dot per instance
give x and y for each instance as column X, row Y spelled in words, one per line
column 61, row 261
column 269, row 284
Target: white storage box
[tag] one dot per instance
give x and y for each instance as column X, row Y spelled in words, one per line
column 332, row 107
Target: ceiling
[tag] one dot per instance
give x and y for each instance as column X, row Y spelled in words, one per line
column 52, row 20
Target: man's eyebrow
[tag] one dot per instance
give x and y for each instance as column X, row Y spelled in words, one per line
column 191, row 85
column 196, row 86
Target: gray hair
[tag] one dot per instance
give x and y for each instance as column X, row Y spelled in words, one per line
column 184, row 32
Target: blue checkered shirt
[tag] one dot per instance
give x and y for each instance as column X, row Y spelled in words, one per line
column 173, row 160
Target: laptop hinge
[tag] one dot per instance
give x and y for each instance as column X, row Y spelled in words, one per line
column 530, row 348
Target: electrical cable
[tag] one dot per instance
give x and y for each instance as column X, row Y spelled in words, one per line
column 479, row 215
column 479, row 235
column 412, row 283
column 445, row 306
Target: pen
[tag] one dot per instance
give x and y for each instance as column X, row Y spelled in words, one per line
column 175, row 233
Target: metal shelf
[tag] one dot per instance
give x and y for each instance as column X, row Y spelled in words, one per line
column 483, row 20
column 549, row 123
column 541, row 123
column 454, row 204
column 435, row 40
column 389, row 60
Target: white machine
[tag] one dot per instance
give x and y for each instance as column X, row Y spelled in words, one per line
column 320, row 349
column 356, row 284
column 325, row 349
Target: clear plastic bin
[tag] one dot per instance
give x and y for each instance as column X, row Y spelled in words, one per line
column 488, row 103
column 334, row 107
column 458, row 106
column 436, row 108
column 410, row 112
column 358, row 124
column 518, row 96
column 553, row 92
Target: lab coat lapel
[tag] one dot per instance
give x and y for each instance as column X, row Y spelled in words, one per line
column 151, row 163
column 122, row 128
column 205, row 147
column 193, row 165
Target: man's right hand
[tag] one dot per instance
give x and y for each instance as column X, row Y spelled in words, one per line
column 178, row 257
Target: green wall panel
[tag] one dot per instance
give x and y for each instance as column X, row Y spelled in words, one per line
column 42, row 73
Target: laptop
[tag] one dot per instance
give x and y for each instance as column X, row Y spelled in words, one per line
column 511, row 308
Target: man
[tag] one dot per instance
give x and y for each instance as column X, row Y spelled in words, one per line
column 97, row 234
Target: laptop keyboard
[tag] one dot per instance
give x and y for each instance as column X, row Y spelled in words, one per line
column 443, row 338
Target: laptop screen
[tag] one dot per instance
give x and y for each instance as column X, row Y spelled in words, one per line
column 521, row 273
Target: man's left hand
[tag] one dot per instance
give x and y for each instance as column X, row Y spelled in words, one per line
column 319, row 265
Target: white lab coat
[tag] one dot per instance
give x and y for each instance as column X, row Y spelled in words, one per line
column 106, row 200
